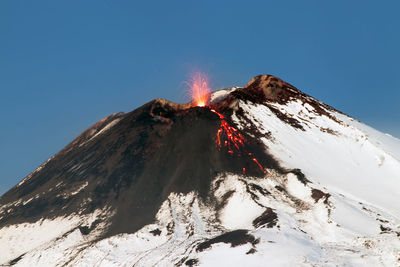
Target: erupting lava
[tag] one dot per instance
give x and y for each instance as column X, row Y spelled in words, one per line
column 199, row 89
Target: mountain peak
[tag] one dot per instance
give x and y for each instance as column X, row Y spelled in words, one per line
column 264, row 88
column 269, row 83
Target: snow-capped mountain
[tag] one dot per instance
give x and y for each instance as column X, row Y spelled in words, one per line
column 265, row 175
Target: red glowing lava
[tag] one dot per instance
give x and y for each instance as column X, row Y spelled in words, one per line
column 258, row 164
column 233, row 140
column 199, row 89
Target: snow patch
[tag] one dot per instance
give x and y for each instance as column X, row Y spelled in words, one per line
column 220, row 95
column 43, row 236
column 106, row 128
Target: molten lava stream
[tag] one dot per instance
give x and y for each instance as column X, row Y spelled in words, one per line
column 235, row 141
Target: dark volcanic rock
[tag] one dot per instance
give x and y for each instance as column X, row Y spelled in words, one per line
column 269, row 218
column 235, row 238
column 318, row 194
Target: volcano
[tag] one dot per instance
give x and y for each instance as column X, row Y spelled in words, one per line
column 261, row 175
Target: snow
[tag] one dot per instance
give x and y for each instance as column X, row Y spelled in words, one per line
column 355, row 172
column 274, row 249
column 56, row 252
column 219, row 95
column 106, row 128
column 350, row 216
column 239, row 201
column 185, row 212
column 46, row 241
column 298, row 189
column 388, row 143
column 30, row 235
column 76, row 190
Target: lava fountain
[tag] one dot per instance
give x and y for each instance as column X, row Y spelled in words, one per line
column 199, row 89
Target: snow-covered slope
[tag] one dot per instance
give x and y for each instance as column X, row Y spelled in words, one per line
column 326, row 196
column 339, row 154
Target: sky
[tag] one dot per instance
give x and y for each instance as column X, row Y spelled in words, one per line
column 64, row 65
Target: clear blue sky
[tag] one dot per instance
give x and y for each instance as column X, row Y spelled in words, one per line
column 66, row 64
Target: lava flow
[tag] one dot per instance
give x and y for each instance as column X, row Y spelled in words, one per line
column 227, row 135
column 234, row 140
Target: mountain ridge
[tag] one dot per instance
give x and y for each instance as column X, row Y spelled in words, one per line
column 250, row 176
